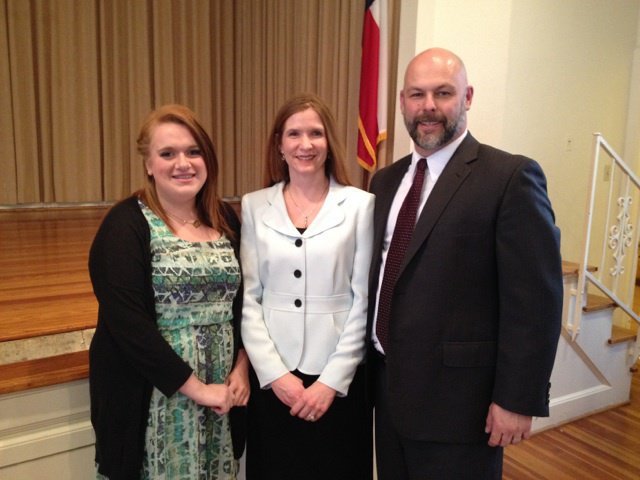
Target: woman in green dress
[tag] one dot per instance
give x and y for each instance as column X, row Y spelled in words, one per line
column 166, row 364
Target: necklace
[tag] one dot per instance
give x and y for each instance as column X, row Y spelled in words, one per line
column 196, row 223
column 311, row 211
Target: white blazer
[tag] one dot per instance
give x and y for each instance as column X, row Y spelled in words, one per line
column 305, row 295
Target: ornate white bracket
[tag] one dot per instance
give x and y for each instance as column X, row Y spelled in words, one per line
column 621, row 236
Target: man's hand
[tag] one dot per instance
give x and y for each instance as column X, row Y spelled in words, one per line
column 505, row 427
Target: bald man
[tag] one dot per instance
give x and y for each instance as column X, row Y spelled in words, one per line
column 464, row 329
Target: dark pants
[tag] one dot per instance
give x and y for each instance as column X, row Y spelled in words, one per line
column 400, row 458
column 336, row 447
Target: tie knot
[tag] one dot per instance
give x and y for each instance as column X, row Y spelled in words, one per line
column 422, row 164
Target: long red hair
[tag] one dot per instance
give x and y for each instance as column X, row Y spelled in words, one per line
column 208, row 203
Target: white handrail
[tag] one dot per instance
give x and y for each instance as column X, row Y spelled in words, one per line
column 615, row 237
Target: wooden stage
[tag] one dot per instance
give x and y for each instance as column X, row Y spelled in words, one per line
column 47, row 306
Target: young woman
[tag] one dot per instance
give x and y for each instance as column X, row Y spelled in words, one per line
column 165, row 364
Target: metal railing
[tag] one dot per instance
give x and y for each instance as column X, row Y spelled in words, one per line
column 616, row 225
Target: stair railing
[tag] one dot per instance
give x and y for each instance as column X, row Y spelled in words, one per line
column 619, row 236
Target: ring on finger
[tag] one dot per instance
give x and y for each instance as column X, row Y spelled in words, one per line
column 311, row 418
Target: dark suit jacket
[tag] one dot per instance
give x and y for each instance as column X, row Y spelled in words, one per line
column 476, row 311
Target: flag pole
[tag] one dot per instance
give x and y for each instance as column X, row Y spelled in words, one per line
column 365, row 180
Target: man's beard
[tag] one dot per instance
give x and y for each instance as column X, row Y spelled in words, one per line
column 434, row 141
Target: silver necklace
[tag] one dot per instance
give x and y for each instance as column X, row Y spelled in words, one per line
column 306, row 214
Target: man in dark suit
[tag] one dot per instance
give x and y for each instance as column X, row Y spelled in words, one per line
column 465, row 329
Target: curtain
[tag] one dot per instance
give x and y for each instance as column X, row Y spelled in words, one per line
column 78, row 78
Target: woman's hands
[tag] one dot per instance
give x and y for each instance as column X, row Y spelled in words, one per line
column 221, row 397
column 288, row 388
column 218, row 397
column 306, row 403
column 238, row 380
column 314, row 402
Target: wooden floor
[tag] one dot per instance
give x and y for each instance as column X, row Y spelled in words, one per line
column 604, row 446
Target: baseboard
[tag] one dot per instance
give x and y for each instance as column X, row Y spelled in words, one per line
column 571, row 407
column 70, row 434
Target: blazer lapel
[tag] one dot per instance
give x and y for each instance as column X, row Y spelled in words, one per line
column 275, row 215
column 330, row 214
column 452, row 177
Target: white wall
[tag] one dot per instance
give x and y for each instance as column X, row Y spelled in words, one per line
column 632, row 145
column 547, row 74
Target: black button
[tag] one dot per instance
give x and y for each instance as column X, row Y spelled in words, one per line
column 298, row 303
column 298, row 242
column 297, row 274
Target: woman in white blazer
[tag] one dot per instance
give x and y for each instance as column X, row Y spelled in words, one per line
column 306, row 246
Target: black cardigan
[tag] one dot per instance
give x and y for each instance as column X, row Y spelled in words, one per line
column 128, row 355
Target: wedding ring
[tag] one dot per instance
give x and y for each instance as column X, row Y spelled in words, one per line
column 311, row 418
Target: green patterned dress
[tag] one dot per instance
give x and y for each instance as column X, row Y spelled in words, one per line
column 194, row 284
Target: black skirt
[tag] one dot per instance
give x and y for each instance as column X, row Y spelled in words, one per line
column 338, row 446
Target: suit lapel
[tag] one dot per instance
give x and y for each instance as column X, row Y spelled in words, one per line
column 384, row 199
column 452, row 177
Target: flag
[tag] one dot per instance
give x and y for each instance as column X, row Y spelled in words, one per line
column 372, row 118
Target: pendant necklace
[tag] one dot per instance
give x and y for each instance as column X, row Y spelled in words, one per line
column 304, row 213
column 196, row 223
